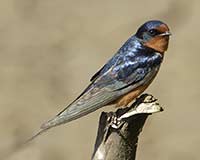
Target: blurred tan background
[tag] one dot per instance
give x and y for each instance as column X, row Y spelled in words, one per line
column 48, row 51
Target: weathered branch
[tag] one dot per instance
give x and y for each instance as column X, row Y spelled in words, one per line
column 118, row 131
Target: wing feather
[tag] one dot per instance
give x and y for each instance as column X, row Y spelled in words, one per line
column 116, row 78
column 129, row 68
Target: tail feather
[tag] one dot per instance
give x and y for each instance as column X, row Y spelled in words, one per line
column 35, row 135
column 77, row 109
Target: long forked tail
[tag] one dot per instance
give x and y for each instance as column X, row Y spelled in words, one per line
column 49, row 124
column 57, row 120
column 76, row 110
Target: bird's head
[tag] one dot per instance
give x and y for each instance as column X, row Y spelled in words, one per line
column 155, row 35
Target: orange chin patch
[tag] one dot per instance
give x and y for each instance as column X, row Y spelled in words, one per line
column 158, row 43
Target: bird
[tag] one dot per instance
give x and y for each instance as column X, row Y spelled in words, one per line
column 123, row 78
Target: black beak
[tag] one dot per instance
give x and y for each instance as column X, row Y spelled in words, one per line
column 167, row 33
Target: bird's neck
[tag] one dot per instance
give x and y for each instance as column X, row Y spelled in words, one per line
column 140, row 45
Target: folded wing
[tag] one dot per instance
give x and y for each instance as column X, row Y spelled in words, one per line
column 107, row 86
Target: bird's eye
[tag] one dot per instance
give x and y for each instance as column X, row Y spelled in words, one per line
column 153, row 32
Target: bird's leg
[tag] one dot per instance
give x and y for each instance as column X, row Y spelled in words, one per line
column 112, row 123
column 116, row 123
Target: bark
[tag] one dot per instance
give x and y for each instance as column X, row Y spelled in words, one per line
column 118, row 132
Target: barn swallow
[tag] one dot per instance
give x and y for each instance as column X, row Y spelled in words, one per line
column 124, row 77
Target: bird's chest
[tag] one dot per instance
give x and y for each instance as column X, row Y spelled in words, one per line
column 138, row 75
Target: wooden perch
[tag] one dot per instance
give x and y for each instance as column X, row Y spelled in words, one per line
column 118, row 131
